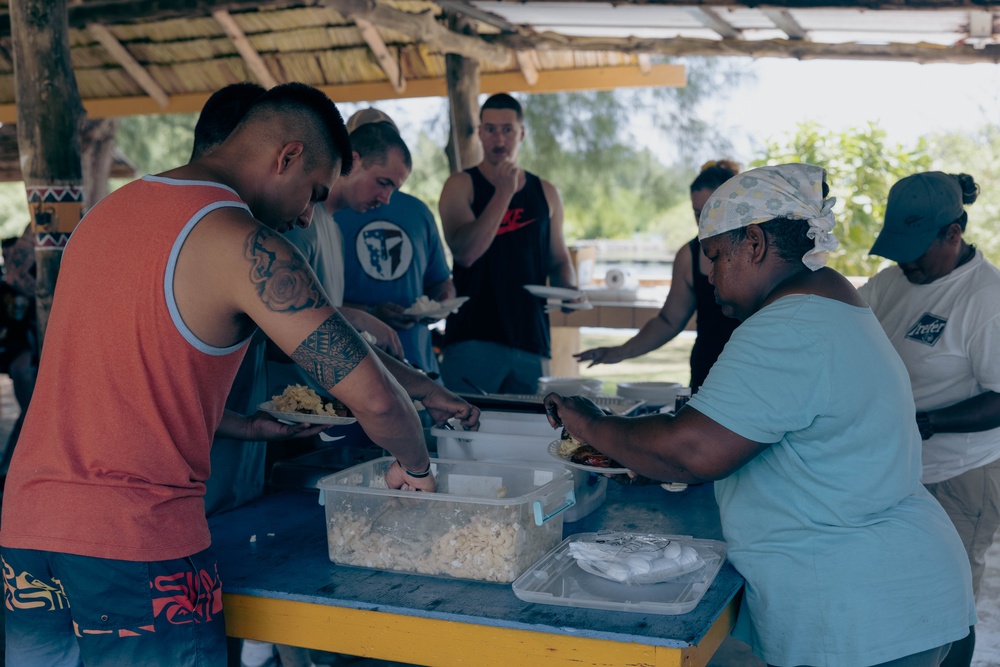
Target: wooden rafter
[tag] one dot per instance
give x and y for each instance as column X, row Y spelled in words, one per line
column 710, row 19
column 135, row 70
column 783, row 19
column 243, row 46
column 526, row 61
column 422, row 27
column 473, row 12
column 772, row 48
column 385, row 60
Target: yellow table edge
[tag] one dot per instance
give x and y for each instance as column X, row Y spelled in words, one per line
column 441, row 643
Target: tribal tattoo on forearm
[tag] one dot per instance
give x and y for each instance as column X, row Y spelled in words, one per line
column 332, row 351
column 282, row 278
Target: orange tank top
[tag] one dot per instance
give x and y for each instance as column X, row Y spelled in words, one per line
column 114, row 452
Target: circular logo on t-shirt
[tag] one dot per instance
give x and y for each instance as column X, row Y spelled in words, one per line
column 385, row 251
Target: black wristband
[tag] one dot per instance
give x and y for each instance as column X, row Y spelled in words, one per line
column 924, row 424
column 417, row 475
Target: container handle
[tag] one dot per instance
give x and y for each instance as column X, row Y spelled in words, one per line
column 541, row 517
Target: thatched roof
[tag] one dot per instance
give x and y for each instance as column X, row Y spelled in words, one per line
column 154, row 56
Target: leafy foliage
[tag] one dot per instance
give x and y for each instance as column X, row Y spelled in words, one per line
column 976, row 153
column 861, row 166
column 157, row 143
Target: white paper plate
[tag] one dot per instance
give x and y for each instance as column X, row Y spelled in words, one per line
column 546, row 292
column 301, row 418
column 447, row 307
column 554, row 453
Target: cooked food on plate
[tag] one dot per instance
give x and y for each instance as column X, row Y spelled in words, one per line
column 582, row 454
column 424, row 304
column 302, row 399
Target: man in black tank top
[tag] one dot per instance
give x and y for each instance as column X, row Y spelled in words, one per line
column 505, row 230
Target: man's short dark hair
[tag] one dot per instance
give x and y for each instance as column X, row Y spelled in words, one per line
column 222, row 113
column 502, row 101
column 373, row 141
column 313, row 114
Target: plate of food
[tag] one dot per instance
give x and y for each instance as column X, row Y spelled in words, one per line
column 570, row 452
column 427, row 308
column 561, row 293
column 299, row 404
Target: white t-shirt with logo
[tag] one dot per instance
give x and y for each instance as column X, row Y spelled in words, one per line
column 948, row 336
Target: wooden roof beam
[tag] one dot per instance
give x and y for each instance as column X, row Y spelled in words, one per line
column 710, row 19
column 388, row 64
column 784, row 20
column 771, row 48
column 103, row 35
column 243, row 46
column 422, row 27
column 549, row 81
column 477, row 14
column 526, row 61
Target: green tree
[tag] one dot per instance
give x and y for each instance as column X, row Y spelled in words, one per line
column 157, row 143
column 861, row 166
column 976, row 153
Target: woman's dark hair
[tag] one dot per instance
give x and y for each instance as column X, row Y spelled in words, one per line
column 970, row 192
column 786, row 236
column 713, row 174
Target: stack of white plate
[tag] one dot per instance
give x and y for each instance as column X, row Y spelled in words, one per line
column 654, row 393
column 570, row 386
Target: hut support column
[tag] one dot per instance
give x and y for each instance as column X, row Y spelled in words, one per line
column 462, row 74
column 49, row 115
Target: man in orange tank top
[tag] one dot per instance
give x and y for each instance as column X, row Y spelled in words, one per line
column 106, row 549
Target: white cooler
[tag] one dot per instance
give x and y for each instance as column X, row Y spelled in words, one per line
column 523, row 438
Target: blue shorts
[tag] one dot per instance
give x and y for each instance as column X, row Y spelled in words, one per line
column 64, row 610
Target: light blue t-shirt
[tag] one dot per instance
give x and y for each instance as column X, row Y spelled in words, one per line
column 848, row 559
column 392, row 253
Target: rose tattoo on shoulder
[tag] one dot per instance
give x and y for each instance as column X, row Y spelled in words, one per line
column 281, row 276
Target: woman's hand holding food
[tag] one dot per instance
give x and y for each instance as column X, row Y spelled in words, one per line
column 398, row 477
column 262, row 427
column 577, row 414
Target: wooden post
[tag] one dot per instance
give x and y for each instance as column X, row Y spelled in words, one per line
column 462, row 74
column 98, row 153
column 49, row 113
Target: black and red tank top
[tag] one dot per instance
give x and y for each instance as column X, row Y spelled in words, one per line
column 713, row 328
column 500, row 310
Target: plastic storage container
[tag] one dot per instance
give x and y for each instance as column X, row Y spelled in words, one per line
column 656, row 394
column 519, row 437
column 488, row 521
column 558, row 579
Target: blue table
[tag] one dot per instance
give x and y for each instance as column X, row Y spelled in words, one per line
column 281, row 587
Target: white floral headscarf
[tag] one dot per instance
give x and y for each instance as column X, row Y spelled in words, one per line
column 793, row 191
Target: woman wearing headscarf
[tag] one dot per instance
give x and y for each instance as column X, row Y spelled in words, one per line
column 940, row 307
column 690, row 293
column 805, row 423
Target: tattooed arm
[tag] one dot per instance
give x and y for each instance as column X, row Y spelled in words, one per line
column 234, row 268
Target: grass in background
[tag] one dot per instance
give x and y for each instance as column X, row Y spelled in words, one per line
column 670, row 363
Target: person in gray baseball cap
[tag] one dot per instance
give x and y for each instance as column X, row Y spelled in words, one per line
column 940, row 307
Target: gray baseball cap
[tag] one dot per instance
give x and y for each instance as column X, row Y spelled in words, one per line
column 918, row 207
column 369, row 115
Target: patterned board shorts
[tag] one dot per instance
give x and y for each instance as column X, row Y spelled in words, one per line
column 65, row 610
